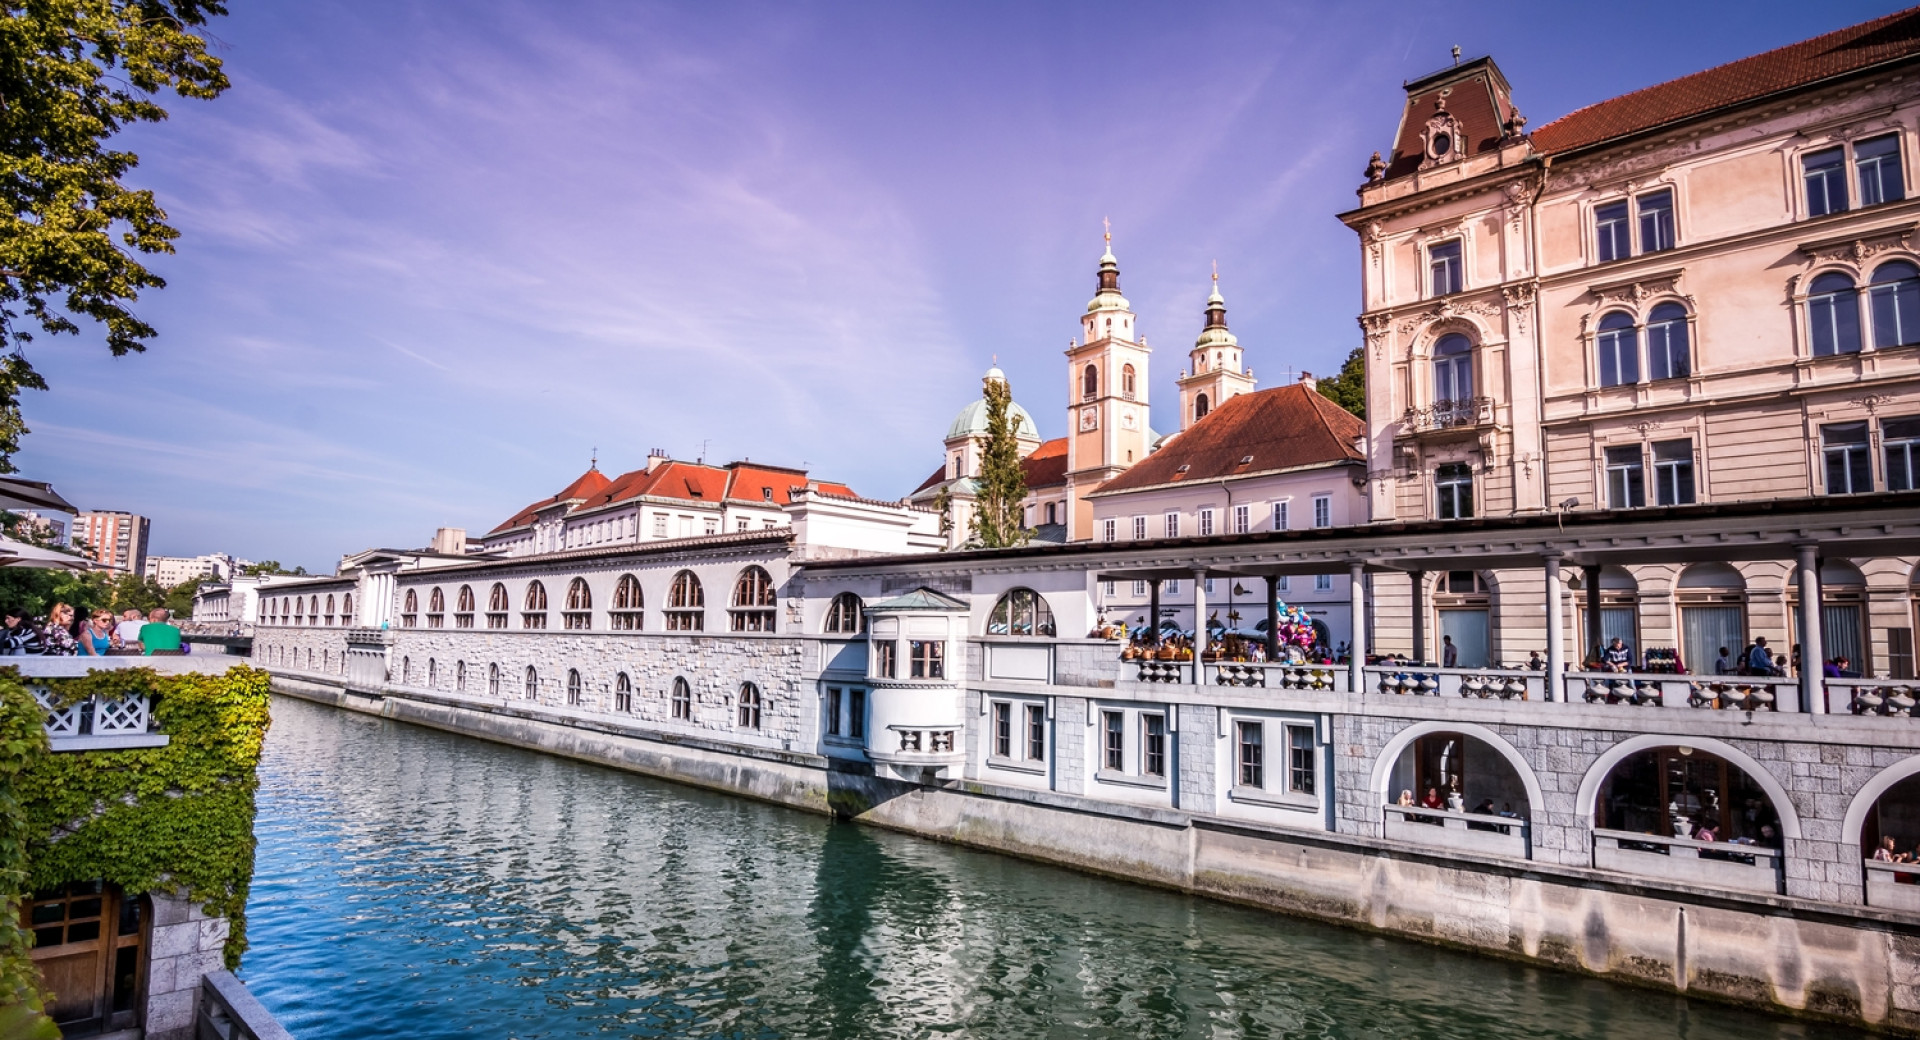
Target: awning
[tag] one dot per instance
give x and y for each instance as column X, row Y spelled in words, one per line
column 23, row 554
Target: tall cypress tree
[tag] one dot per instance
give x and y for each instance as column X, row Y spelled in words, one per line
column 1003, row 486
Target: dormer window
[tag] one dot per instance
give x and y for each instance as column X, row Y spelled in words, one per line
column 766, row 494
column 1441, row 136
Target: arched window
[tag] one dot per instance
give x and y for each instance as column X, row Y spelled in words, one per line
column 1894, row 301
column 535, row 614
column 622, row 693
column 1667, row 353
column 682, row 698
column 1021, row 612
column 433, row 673
column 1126, row 381
column 533, row 683
column 1452, row 370
column 460, row 676
column 627, row 602
column 686, row 604
column 1833, row 315
column 573, row 687
column 299, row 610
column 346, row 609
column 1089, row 383
column 436, row 608
column 753, row 600
column 1453, row 491
column 463, row 607
column 1619, row 348
column 330, row 609
column 1200, row 408
column 406, row 671
column 493, row 680
column 313, row 609
column 497, row 606
column 749, row 706
column 846, row 615
column 579, row 612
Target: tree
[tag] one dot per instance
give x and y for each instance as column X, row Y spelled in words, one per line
column 943, row 504
column 136, row 592
column 269, row 567
column 1349, row 388
column 73, row 73
column 1003, row 485
column 179, row 599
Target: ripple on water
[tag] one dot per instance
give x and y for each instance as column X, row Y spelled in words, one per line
column 417, row 884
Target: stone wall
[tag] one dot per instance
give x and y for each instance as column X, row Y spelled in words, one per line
column 185, row 945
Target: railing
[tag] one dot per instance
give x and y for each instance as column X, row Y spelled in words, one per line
column 1330, row 678
column 1881, row 697
column 1449, row 415
column 1159, row 671
column 1475, row 683
column 1751, row 868
column 1895, row 886
column 228, row 1012
column 1735, row 692
column 1467, row 832
column 102, row 723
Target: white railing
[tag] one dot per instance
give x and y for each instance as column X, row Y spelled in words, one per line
column 1895, row 886
column 1751, row 868
column 1473, row 683
column 1896, row 698
column 1467, row 832
column 100, row 723
column 1156, row 671
column 1736, row 692
column 1328, row 678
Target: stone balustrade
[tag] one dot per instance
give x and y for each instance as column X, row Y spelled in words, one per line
column 1712, row 864
column 1468, row 832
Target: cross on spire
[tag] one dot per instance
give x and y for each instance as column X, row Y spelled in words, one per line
column 1108, row 225
column 594, row 462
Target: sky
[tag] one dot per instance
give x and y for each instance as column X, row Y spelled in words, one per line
column 436, row 254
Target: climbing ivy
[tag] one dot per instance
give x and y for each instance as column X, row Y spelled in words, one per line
column 176, row 819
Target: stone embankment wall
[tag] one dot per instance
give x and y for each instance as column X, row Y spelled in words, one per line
column 1851, row 963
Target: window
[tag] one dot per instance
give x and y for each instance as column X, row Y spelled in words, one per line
column 1209, row 586
column 1619, row 348
column 1172, row 587
column 1667, row 353
column 1452, row 370
column 1876, row 162
column 749, row 706
column 462, row 607
column 1833, row 311
column 1153, row 745
column 626, row 615
column 1206, row 522
column 1242, row 519
column 1901, row 437
column 1280, row 516
column 1300, row 760
column 753, row 600
column 927, row 658
column 845, row 615
column 1172, row 525
column 857, row 714
column 406, row 670
column 1323, row 511
column 1825, row 172
column 682, row 699
column 1139, row 589
column 573, row 687
column 885, row 660
column 1114, row 746
column 710, row 525
column 1200, row 407
column 1248, row 738
column 1139, row 527
column 493, row 680
column 1323, row 583
column 410, row 607
column 1626, row 478
column 686, row 603
column 1089, row 383
column 659, row 525
column 1656, row 221
column 533, row 683
column 433, row 674
column 1002, row 729
column 1849, row 472
column 1673, row 473
column 1036, row 733
column 1282, row 586
column 1109, row 529
column 460, row 676
column 622, row 693
column 579, row 612
column 436, row 606
column 1053, row 512
column 833, row 711
column 1612, row 231
column 1894, row 301
column 1126, row 381
column 1443, row 268
column 535, row 614
column 1453, row 489
column 1021, row 612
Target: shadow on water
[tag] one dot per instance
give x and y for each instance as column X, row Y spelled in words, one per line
column 422, row 885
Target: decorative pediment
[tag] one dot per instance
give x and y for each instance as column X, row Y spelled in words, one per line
column 1638, row 290
column 1857, row 249
column 1441, row 140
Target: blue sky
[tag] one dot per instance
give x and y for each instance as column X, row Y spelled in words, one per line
column 435, row 252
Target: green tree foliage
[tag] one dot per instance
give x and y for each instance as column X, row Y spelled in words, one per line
column 1349, row 388
column 133, row 592
column 73, row 74
column 943, row 504
column 270, row 567
column 179, row 599
column 33, row 590
column 1003, row 485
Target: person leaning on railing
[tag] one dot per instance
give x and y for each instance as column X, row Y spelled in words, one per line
column 157, row 637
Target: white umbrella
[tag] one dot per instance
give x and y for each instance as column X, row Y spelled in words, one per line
column 23, row 554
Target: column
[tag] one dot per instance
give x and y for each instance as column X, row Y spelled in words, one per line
column 1591, row 576
column 1273, row 618
column 1420, row 616
column 1357, row 607
column 1199, row 619
column 1556, row 653
column 1153, row 611
column 1812, row 656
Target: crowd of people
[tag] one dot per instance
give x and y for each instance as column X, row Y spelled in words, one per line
column 63, row 634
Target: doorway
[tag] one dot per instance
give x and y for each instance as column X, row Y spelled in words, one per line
column 90, row 945
column 1468, row 630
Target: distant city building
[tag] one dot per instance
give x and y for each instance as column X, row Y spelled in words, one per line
column 52, row 528
column 114, row 539
column 169, row 571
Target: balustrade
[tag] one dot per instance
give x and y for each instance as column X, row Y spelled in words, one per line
column 1477, row 683
column 1740, row 693
column 1467, row 832
column 1877, row 697
column 1895, row 886
column 1327, row 677
column 1751, row 868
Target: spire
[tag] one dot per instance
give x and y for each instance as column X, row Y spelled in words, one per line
column 1215, row 333
column 1108, row 293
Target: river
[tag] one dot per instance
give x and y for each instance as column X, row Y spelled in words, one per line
column 416, row 884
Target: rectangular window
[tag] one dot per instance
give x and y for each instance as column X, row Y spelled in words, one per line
column 1443, row 268
column 1173, row 587
column 1611, row 229
column 1106, row 587
column 1280, row 516
column 1247, row 737
column 857, row 714
column 686, row 527
column 1139, row 588
column 928, row 658
column 1003, row 729
column 1206, row 523
column 1036, row 733
column 1114, row 748
column 1109, row 529
column 1139, row 527
column 1153, row 745
column 1876, row 162
column 1849, row 471
column 1173, row 525
column 712, row 525
column 1242, row 519
column 1825, row 172
column 1453, row 487
column 1322, row 511
column 1283, row 583
column 1323, row 583
column 1209, row 586
column 1626, row 478
column 740, row 524
column 1673, row 472
column 885, row 666
column 1300, row 760
column 833, row 711
column 1901, row 438
column 1656, row 221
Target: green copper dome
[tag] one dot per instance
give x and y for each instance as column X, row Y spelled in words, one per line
column 972, row 421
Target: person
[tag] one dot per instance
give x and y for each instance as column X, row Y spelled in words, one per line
column 1617, row 657
column 17, row 637
column 1831, row 669
column 157, row 636
column 1449, row 654
column 1704, row 832
column 1406, row 799
column 1535, row 663
column 1884, row 854
column 1779, row 669
column 56, row 639
column 1485, row 808
column 1759, row 658
column 96, row 637
column 1844, row 665
column 1432, row 800
column 1723, row 665
column 127, row 633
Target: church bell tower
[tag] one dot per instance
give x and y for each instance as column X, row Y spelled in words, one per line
column 1216, row 373
column 1106, row 396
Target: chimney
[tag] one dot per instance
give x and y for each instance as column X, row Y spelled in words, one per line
column 450, row 540
column 1307, row 380
column 656, row 458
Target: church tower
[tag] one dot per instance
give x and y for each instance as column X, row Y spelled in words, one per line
column 1216, row 373
column 1106, row 397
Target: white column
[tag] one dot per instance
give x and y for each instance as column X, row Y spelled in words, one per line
column 1556, row 651
column 1812, row 657
column 1357, row 606
column 1199, row 619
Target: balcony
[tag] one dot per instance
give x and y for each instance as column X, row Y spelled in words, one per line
column 1717, row 864
column 1895, row 886
column 1467, row 832
column 1465, row 413
column 1474, row 683
column 101, row 723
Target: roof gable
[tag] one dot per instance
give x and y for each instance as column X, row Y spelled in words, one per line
column 584, row 486
column 1047, row 465
column 1287, row 427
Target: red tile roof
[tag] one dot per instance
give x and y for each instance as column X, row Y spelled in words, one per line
column 750, row 482
column 1476, row 94
column 1883, row 40
column 688, row 481
column 938, row 476
column 1047, row 466
column 585, row 486
column 1287, row 427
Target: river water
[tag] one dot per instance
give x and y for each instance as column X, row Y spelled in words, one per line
column 415, row 884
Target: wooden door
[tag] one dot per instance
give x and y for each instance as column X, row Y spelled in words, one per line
column 90, row 947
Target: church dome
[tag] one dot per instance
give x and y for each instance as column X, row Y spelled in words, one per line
column 972, row 421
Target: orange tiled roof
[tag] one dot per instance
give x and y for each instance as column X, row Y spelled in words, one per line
column 688, row 481
column 1282, row 428
column 1047, row 466
column 585, row 486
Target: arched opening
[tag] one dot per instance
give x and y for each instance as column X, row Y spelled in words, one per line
column 1452, row 372
column 1457, row 785
column 574, row 686
column 433, row 673
column 1200, row 407
column 533, row 684
column 749, row 706
column 460, row 676
column 754, row 598
column 1463, row 605
column 1889, row 832
column 682, row 699
column 627, row 603
column 1843, row 609
column 622, row 693
column 1702, row 812
column 1021, row 612
column 493, row 680
column 1089, row 383
column 1712, row 601
column 846, row 615
column 1126, row 381
column 686, row 604
column 579, row 613
column 1619, row 619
